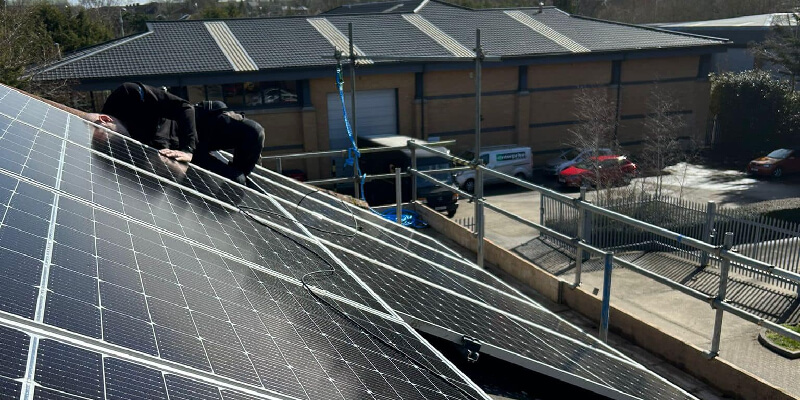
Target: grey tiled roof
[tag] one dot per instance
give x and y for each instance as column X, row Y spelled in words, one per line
column 186, row 47
column 500, row 34
column 282, row 42
column 389, row 35
column 168, row 48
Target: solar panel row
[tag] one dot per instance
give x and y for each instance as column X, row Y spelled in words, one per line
column 448, row 292
column 117, row 253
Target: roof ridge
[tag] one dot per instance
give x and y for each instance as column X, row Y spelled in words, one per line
column 494, row 8
column 649, row 28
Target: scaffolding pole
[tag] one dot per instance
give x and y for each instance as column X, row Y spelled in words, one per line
column 356, row 178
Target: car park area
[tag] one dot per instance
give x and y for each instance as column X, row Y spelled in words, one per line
column 725, row 186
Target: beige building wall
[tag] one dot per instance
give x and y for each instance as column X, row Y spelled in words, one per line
column 553, row 90
column 539, row 116
column 449, row 107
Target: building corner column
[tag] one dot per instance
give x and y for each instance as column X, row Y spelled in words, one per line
column 418, row 121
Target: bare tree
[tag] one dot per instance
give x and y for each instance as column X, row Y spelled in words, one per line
column 596, row 129
column 782, row 47
column 662, row 145
column 24, row 42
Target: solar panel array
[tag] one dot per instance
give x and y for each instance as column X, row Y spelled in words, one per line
column 131, row 276
column 442, row 293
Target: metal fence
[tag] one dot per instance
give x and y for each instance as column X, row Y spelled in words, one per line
column 468, row 222
column 770, row 240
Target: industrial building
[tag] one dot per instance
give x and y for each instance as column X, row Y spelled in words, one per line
column 281, row 72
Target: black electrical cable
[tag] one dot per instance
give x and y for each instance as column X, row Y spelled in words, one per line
column 332, row 270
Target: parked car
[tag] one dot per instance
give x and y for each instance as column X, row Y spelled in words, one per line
column 382, row 191
column 571, row 157
column 509, row 159
column 610, row 170
column 775, row 164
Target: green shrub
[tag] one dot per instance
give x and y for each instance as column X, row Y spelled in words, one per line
column 755, row 112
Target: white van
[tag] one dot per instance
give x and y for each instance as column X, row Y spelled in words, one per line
column 509, row 159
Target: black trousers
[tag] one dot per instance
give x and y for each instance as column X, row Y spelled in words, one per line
column 244, row 137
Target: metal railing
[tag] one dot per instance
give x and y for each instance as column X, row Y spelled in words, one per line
column 586, row 212
column 762, row 238
column 574, row 222
column 355, row 180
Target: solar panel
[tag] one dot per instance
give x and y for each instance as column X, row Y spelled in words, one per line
column 131, row 277
column 450, row 297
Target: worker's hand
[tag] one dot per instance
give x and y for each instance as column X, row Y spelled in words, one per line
column 176, row 155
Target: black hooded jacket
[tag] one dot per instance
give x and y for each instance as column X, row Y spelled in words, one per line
column 142, row 108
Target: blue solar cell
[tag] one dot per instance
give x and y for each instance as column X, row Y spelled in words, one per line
column 10, row 389
column 129, row 332
column 14, row 353
column 69, row 369
column 129, row 381
column 184, row 389
column 72, row 315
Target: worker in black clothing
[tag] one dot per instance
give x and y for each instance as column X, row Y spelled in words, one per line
column 170, row 124
column 221, row 129
column 137, row 110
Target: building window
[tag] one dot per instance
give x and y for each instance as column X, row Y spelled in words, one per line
column 233, row 95
column 214, row 92
column 246, row 95
column 269, row 94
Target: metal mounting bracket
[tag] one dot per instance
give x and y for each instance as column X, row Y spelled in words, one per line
column 470, row 348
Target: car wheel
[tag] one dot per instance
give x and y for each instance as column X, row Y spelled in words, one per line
column 520, row 176
column 451, row 213
column 469, row 186
column 778, row 172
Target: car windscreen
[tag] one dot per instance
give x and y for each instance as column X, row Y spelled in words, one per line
column 430, row 164
column 780, row 153
column 586, row 165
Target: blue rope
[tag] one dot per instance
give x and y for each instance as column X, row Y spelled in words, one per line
column 352, row 153
column 408, row 217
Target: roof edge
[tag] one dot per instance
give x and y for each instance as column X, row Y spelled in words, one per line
column 75, row 56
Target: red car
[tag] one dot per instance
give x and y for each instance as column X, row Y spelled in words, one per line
column 777, row 163
column 610, row 170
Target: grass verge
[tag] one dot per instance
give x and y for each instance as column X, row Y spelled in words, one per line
column 783, row 341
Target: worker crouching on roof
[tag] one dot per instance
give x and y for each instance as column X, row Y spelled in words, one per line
column 184, row 132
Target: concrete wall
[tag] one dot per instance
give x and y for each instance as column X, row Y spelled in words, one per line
column 728, row 378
